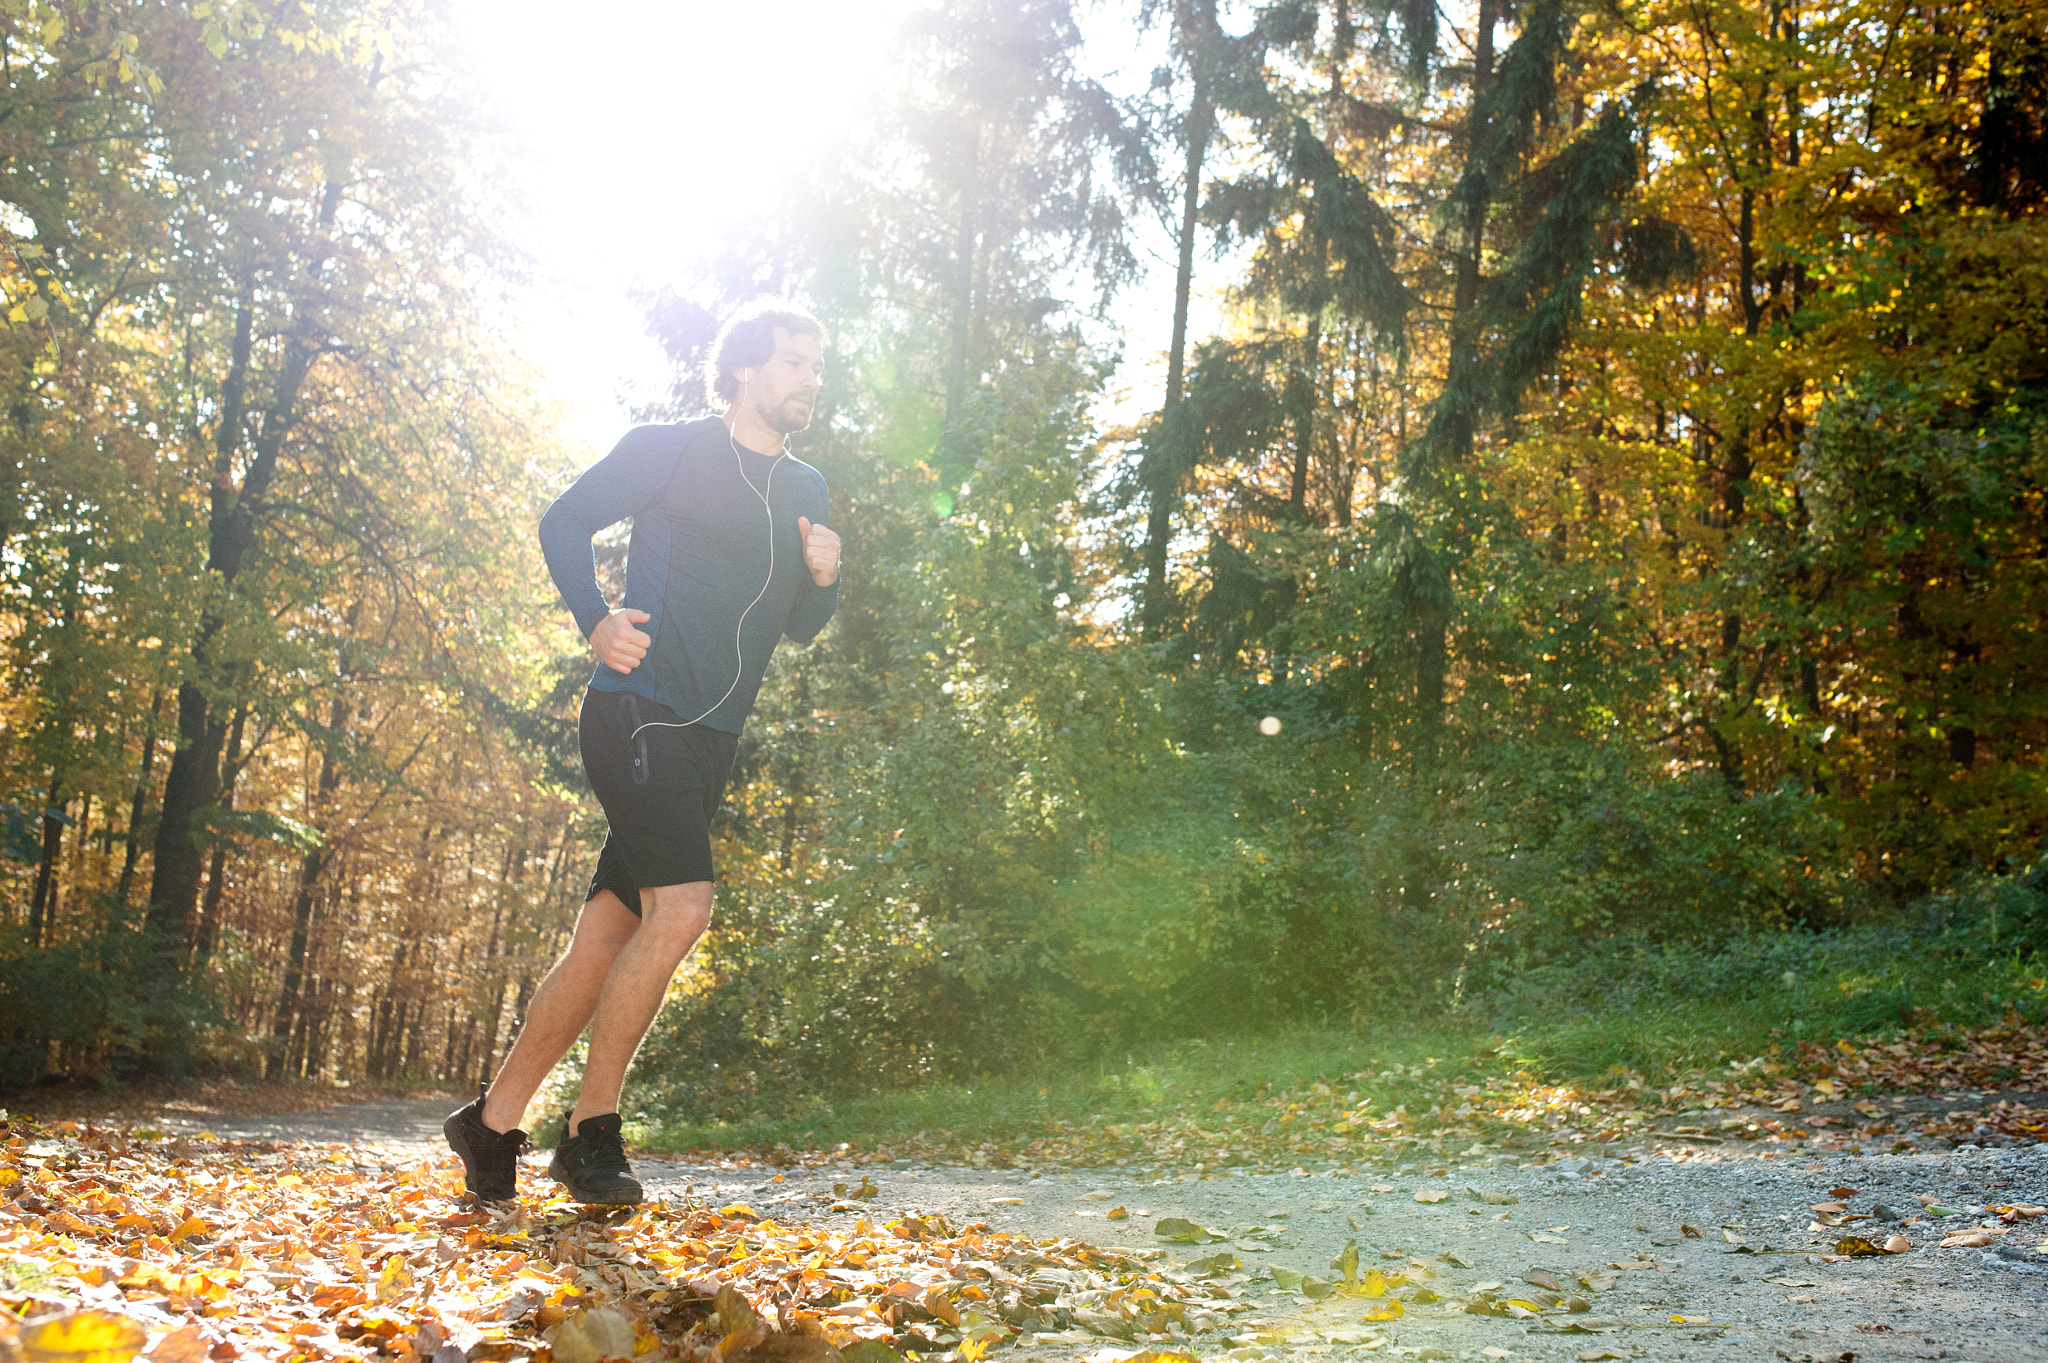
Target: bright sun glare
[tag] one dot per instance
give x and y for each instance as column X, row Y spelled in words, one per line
column 623, row 111
column 636, row 121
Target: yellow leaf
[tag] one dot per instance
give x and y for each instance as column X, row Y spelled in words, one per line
column 1385, row 1311
column 86, row 1337
column 395, row 1281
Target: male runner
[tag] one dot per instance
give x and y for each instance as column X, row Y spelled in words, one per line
column 729, row 552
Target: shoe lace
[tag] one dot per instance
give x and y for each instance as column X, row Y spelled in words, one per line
column 605, row 1151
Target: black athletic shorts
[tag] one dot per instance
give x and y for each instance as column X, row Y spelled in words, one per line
column 658, row 790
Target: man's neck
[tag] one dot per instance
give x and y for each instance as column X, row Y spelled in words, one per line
column 752, row 432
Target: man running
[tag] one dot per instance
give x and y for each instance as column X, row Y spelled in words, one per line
column 729, row 552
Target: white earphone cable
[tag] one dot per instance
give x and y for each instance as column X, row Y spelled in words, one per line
column 768, row 513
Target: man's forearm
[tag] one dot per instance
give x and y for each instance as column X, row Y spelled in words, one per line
column 565, row 544
column 814, row 606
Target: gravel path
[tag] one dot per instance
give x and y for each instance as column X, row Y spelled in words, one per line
column 1751, row 1286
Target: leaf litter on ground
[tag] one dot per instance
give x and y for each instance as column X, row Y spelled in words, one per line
column 210, row 1249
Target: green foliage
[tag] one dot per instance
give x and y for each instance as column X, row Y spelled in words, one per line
column 1641, row 554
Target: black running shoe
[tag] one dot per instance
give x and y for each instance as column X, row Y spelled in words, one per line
column 490, row 1159
column 592, row 1163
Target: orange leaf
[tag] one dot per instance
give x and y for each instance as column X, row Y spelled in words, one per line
column 188, row 1228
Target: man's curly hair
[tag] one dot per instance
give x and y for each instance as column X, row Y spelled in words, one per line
column 748, row 339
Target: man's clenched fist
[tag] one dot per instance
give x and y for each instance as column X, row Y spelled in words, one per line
column 821, row 551
column 617, row 644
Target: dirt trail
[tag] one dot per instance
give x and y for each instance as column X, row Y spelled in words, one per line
column 1769, row 1296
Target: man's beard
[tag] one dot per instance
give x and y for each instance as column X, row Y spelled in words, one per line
column 788, row 418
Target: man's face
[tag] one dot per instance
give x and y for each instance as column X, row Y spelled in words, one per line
column 783, row 390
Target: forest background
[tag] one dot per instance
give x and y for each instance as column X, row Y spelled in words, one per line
column 1605, row 536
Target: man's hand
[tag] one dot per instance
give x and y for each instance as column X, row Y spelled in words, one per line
column 617, row 644
column 821, row 551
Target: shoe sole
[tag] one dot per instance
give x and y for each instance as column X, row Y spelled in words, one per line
column 449, row 1128
column 616, row 1197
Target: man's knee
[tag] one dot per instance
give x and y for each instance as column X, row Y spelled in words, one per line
column 605, row 926
column 676, row 914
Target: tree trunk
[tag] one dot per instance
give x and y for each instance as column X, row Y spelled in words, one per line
column 194, row 779
column 1306, row 390
column 310, row 865
column 139, row 805
column 1433, row 626
column 43, row 902
column 1163, row 480
column 216, row 875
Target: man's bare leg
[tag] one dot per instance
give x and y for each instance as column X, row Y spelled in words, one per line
column 675, row 916
column 560, row 1008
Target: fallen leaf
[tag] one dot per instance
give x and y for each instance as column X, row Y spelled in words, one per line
column 1345, row 1262
column 1841, row 1192
column 186, row 1344
column 1380, row 1188
column 1385, row 1311
column 1544, row 1237
column 1595, row 1355
column 869, row 1351
column 1543, row 1278
column 1897, row 1244
column 83, row 1337
column 1829, row 1208
column 395, row 1281
column 1856, row 1247
column 1431, row 1195
column 1180, row 1230
column 1689, row 1232
column 1006, row 1202
column 592, row 1334
column 1378, row 1284
column 1116, row 1214
column 935, row 1302
column 190, row 1227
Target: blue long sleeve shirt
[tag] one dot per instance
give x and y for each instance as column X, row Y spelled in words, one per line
column 703, row 546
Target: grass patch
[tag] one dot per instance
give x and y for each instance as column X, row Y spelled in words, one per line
column 1618, row 1022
